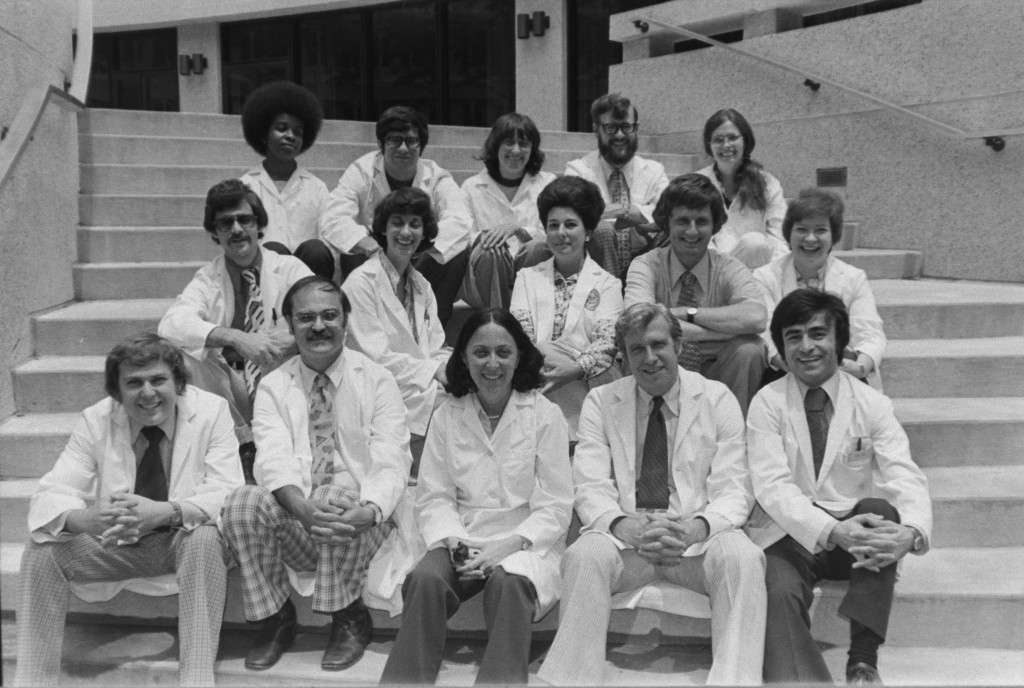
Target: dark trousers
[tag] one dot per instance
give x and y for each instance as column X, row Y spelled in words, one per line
column 432, row 593
column 314, row 253
column 790, row 653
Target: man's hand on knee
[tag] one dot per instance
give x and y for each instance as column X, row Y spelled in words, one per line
column 889, row 543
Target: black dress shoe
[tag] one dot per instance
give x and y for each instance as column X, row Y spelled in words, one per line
column 276, row 634
column 351, row 632
column 863, row 674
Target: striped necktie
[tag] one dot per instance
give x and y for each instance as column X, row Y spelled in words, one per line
column 254, row 318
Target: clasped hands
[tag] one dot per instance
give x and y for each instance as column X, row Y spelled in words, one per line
column 120, row 519
column 485, row 556
column 660, row 538
column 335, row 522
column 874, row 541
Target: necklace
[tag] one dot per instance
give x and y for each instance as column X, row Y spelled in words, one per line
column 490, row 417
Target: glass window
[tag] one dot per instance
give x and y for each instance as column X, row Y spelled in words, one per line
column 481, row 61
column 254, row 53
column 405, row 59
column 135, row 70
column 332, row 65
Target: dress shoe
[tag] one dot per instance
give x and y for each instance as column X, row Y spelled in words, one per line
column 863, row 674
column 351, row 632
column 247, row 455
column 276, row 634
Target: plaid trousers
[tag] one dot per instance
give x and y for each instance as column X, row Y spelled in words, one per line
column 264, row 537
column 48, row 569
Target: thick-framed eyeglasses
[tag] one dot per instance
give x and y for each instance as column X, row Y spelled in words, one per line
column 396, row 141
column 226, row 223
column 626, row 127
column 730, row 139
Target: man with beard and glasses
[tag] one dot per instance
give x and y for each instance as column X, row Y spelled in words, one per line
column 629, row 184
column 228, row 319
column 332, row 466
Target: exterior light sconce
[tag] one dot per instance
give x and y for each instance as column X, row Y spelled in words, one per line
column 812, row 84
column 192, row 64
column 525, row 24
column 996, row 143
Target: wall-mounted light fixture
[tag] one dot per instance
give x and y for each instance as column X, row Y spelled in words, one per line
column 192, row 64
column 536, row 23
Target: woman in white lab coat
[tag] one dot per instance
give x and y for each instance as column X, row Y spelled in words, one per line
column 493, row 506
column 568, row 304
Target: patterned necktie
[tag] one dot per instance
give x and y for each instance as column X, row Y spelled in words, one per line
column 404, row 292
column 618, row 190
column 253, row 323
column 652, row 488
column 817, row 424
column 150, row 478
column 689, row 353
column 322, row 430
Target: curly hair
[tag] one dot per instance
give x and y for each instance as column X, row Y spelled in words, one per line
column 693, row 191
column 229, row 194
column 405, row 201
column 531, row 360
column 276, row 98
column 615, row 103
column 813, row 201
column 572, row 192
column 517, row 127
column 140, row 350
column 753, row 189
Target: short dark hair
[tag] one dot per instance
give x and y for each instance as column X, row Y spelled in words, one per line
column 139, row 350
column 512, row 126
column 812, row 201
column 800, row 305
column 615, row 103
column 229, row 194
column 572, row 192
column 313, row 282
column 398, row 119
column 531, row 360
column 405, row 201
column 277, row 98
column 639, row 316
column 693, row 191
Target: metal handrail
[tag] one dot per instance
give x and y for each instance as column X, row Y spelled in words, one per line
column 814, row 81
column 19, row 134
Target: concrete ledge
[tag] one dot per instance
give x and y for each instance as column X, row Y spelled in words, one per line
column 113, row 281
column 991, row 367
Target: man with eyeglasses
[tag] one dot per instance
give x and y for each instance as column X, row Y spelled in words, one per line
column 402, row 135
column 228, row 319
column 629, row 184
column 332, row 468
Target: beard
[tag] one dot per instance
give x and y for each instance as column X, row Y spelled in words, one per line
column 613, row 157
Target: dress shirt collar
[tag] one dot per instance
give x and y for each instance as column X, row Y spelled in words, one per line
column 702, row 270
column 671, row 398
column 167, row 426
column 335, row 372
column 831, row 387
column 607, row 168
column 393, row 277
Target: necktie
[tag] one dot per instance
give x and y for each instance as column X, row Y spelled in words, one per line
column 150, row 478
column 322, row 430
column 404, row 292
column 618, row 190
column 689, row 353
column 652, row 488
column 817, row 424
column 253, row 323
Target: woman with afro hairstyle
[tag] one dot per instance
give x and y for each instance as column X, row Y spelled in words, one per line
column 753, row 198
column 280, row 121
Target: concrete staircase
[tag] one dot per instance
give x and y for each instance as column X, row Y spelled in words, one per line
column 955, row 369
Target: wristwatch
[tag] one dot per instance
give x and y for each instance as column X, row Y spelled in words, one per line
column 918, row 540
column 691, row 313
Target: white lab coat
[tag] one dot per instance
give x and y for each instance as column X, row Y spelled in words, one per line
column 491, row 208
column 744, row 219
column 517, row 481
column 646, row 179
column 293, row 213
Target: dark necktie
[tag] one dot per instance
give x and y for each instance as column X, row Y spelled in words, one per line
column 652, row 488
column 150, row 479
column 689, row 353
column 817, row 424
column 253, row 323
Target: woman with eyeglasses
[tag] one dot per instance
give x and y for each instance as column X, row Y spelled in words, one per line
column 753, row 197
column 394, row 313
column 280, row 121
column 503, row 200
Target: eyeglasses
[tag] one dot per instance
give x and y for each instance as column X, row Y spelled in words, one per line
column 396, row 141
column 626, row 127
column 226, row 223
column 720, row 141
column 329, row 316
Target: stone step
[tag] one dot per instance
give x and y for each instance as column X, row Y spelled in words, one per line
column 145, row 244
column 884, row 263
column 992, row 367
column 107, row 149
column 31, row 443
column 939, row 596
column 105, row 281
column 56, row 384
column 963, row 431
column 978, row 506
column 949, row 309
column 93, row 327
column 98, row 121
